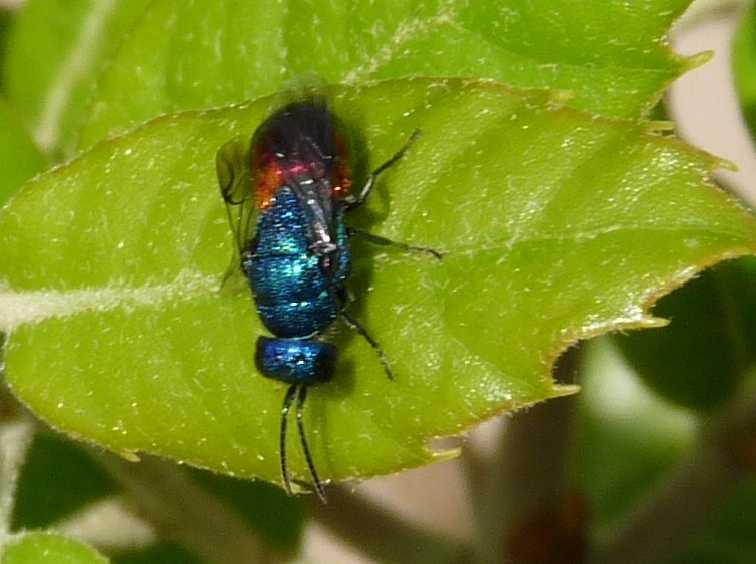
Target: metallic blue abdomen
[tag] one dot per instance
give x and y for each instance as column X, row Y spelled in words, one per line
column 295, row 361
column 296, row 291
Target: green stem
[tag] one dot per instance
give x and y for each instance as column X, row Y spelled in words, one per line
column 164, row 495
column 664, row 524
column 383, row 536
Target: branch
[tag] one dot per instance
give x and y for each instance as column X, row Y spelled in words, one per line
column 383, row 536
column 178, row 507
column 664, row 524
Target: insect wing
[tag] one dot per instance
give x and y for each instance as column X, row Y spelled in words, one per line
column 232, row 166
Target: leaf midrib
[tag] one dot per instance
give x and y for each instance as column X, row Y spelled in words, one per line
column 189, row 284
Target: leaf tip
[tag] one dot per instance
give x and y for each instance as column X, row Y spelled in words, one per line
column 445, row 455
column 561, row 390
column 129, row 455
column 651, row 322
column 699, row 59
column 725, row 164
column 444, row 448
column 659, row 126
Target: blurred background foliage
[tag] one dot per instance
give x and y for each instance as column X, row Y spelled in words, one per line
column 649, row 400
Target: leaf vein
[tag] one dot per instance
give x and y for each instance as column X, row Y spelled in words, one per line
column 22, row 308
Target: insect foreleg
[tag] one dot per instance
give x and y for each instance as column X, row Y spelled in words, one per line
column 384, row 242
column 359, row 199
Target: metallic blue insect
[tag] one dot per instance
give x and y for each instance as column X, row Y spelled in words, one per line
column 286, row 195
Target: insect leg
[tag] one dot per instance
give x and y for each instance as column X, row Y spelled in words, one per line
column 288, row 398
column 354, row 324
column 383, row 241
column 368, row 186
column 303, row 438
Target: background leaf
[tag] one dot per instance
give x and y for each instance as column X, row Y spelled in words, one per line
column 19, row 156
column 193, row 55
column 277, row 517
column 728, row 537
column 6, row 17
column 701, row 359
column 57, row 48
column 744, row 66
column 141, row 352
column 629, row 438
column 49, row 548
column 57, row 479
column 165, row 553
column 60, row 478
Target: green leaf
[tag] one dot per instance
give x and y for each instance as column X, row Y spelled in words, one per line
column 57, row 49
column 744, row 66
column 19, row 156
column 557, row 226
column 48, row 548
column 701, row 359
column 216, row 52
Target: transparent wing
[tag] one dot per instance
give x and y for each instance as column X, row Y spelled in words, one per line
column 232, row 165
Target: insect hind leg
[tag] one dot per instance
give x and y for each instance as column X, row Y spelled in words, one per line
column 354, row 324
column 305, row 448
column 288, row 399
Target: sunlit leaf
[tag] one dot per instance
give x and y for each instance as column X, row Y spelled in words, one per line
column 557, row 226
column 193, row 55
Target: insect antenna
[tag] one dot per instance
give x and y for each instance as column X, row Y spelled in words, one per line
column 288, row 399
column 308, row 457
